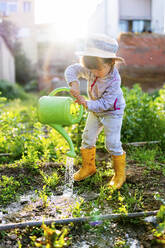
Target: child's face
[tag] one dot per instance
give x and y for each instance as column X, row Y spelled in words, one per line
column 102, row 71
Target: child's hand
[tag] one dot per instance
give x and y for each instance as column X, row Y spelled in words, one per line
column 74, row 90
column 81, row 100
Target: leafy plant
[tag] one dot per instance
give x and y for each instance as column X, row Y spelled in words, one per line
column 52, row 237
column 12, row 91
column 144, row 116
column 77, row 210
column 50, row 180
column 8, row 188
column 44, row 197
column 159, row 232
column 2, row 101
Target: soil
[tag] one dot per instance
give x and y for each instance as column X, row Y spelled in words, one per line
column 149, row 181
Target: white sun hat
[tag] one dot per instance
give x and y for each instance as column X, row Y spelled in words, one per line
column 99, row 45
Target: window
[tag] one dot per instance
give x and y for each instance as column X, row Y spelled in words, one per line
column 123, row 26
column 3, row 7
column 12, row 6
column 138, row 26
column 27, row 6
column 141, row 26
column 8, row 7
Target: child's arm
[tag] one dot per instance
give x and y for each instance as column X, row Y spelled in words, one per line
column 74, row 72
column 74, row 90
column 81, row 100
column 72, row 75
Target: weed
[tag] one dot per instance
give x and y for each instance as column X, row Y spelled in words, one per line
column 44, row 197
column 8, row 188
column 120, row 244
column 77, row 210
column 159, row 232
column 50, row 180
column 52, row 237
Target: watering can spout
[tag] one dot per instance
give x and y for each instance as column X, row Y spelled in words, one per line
column 59, row 111
column 62, row 131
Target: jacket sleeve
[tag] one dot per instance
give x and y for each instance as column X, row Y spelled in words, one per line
column 107, row 100
column 76, row 71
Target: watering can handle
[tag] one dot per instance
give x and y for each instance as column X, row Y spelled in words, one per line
column 55, row 91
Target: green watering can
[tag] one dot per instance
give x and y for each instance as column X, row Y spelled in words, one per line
column 60, row 111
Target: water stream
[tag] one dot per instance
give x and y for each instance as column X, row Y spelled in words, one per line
column 68, row 187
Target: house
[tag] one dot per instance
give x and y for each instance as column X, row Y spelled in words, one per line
column 21, row 13
column 115, row 16
column 7, row 64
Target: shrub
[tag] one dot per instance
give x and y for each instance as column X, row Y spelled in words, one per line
column 32, row 86
column 144, row 118
column 12, row 91
column 24, row 138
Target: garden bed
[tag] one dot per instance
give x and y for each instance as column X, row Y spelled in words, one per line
column 32, row 180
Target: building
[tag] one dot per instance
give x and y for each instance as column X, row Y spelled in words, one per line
column 7, row 64
column 115, row 16
column 21, row 13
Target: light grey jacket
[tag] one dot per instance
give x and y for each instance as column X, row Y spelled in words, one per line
column 106, row 96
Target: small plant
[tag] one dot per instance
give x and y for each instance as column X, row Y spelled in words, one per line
column 2, row 100
column 8, row 188
column 50, row 180
column 159, row 232
column 120, row 244
column 44, row 197
column 77, row 210
column 52, row 237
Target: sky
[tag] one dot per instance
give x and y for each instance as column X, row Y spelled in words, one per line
column 70, row 16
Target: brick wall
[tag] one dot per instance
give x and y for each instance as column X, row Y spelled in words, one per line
column 144, row 56
column 147, row 50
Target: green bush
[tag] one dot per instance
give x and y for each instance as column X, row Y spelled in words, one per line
column 22, row 136
column 144, row 118
column 32, row 86
column 12, row 91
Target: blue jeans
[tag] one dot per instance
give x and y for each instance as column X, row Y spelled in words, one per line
column 112, row 127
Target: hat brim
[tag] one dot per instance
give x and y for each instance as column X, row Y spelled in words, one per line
column 99, row 54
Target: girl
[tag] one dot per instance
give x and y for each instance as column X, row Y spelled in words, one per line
column 105, row 107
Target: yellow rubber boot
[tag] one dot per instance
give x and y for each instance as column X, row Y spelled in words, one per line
column 119, row 163
column 88, row 164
